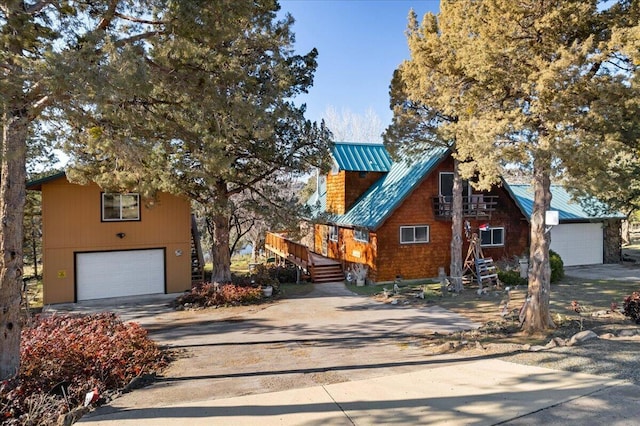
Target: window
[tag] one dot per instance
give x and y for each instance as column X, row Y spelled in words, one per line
column 414, row 234
column 333, row 233
column 446, row 186
column 492, row 237
column 120, row 207
column 361, row 234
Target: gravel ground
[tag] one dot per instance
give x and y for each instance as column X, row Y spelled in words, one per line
column 614, row 353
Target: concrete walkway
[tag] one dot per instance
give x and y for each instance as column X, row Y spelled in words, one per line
column 333, row 358
column 483, row 392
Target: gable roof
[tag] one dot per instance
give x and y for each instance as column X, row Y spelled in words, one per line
column 361, row 157
column 388, row 192
column 36, row 184
column 569, row 209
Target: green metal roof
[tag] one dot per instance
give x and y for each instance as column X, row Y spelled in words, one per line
column 569, row 210
column 361, row 157
column 384, row 196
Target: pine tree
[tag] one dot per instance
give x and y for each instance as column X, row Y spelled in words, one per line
column 204, row 109
column 543, row 71
column 427, row 98
column 533, row 83
column 42, row 43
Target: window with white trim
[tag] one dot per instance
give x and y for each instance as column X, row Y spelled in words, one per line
column 333, row 233
column 120, row 207
column 361, row 234
column 414, row 234
column 492, row 237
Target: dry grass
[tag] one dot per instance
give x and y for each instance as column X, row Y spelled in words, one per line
column 575, row 305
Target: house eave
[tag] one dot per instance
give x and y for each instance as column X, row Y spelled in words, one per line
column 36, row 184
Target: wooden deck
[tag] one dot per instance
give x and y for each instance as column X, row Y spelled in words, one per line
column 318, row 260
column 320, row 268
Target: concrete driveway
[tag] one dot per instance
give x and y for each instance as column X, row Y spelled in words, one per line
column 616, row 271
column 336, row 358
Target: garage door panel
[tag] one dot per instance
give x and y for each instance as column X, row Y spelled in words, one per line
column 119, row 273
column 578, row 243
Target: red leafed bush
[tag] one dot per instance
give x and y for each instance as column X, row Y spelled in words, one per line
column 208, row 294
column 66, row 356
column 631, row 306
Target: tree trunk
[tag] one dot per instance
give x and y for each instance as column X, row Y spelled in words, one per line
column 12, row 199
column 254, row 249
column 536, row 315
column 220, row 252
column 34, row 247
column 220, row 233
column 455, row 267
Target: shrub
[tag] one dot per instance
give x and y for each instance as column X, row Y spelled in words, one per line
column 283, row 274
column 65, row 356
column 511, row 278
column 557, row 266
column 631, row 307
column 213, row 294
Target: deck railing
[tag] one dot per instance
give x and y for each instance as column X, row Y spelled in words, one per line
column 477, row 206
column 279, row 244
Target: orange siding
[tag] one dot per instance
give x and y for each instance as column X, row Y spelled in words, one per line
column 414, row 260
column 72, row 223
column 344, row 189
column 335, row 192
column 357, row 184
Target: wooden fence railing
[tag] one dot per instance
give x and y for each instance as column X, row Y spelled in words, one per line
column 288, row 249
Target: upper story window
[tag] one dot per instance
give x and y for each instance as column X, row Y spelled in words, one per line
column 446, row 187
column 492, row 237
column 333, row 233
column 361, row 234
column 414, row 234
column 120, row 207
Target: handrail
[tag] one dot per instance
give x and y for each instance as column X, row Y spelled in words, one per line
column 287, row 248
column 475, row 206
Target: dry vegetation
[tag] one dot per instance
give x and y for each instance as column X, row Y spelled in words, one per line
column 575, row 305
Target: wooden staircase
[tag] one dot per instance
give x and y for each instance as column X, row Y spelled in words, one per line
column 324, row 270
column 197, row 260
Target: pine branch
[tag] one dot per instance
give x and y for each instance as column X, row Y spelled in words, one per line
column 137, row 37
column 108, row 16
column 37, row 7
column 138, row 20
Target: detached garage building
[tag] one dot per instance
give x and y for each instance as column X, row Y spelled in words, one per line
column 99, row 245
column 581, row 237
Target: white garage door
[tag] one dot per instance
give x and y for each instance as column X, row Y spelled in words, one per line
column 119, row 273
column 578, row 243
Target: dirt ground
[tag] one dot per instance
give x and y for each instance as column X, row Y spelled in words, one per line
column 576, row 304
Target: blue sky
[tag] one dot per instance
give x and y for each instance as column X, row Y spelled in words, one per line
column 360, row 44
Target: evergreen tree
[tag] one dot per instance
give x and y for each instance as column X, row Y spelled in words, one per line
column 202, row 109
column 42, row 43
column 538, row 84
column 427, row 97
column 543, row 72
